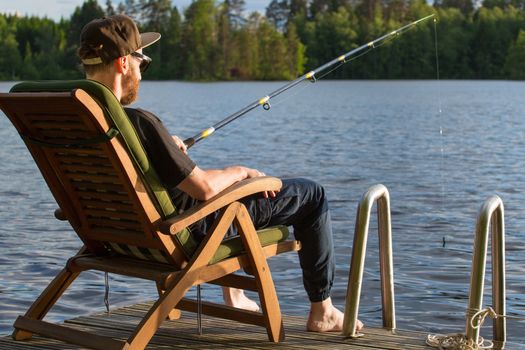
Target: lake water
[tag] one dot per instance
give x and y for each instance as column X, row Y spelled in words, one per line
column 441, row 148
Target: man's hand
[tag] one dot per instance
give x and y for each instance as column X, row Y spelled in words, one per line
column 256, row 173
column 180, row 144
column 205, row 184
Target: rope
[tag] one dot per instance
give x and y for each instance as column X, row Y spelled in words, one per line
column 456, row 341
column 490, row 312
column 481, row 315
column 459, row 341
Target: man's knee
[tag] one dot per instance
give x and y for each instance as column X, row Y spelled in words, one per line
column 319, row 191
column 308, row 188
column 316, row 193
column 310, row 197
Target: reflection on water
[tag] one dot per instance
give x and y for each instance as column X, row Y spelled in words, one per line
column 347, row 136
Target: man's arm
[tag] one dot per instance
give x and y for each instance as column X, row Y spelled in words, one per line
column 204, row 184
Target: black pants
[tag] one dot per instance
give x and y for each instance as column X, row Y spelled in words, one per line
column 302, row 204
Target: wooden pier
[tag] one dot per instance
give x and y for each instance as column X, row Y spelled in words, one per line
column 221, row 334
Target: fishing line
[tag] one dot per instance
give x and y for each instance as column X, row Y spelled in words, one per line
column 437, row 66
column 311, row 76
column 441, row 136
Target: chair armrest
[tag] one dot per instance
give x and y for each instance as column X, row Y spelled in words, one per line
column 229, row 195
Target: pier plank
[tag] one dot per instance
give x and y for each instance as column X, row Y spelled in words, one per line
column 220, row 334
column 295, row 327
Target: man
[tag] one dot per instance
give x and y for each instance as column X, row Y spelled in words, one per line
column 111, row 53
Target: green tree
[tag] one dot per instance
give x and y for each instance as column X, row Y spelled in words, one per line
column 235, row 10
column 465, row 6
column 226, row 42
column 247, row 66
column 82, row 15
column 155, row 16
column 171, row 63
column 199, row 41
column 323, row 6
column 216, row 41
column 515, row 61
column 29, row 70
column 273, row 54
column 296, row 51
column 396, row 11
column 49, row 49
column 10, row 59
column 298, row 7
column 131, row 8
column 373, row 24
column 330, row 35
column 371, row 20
column 455, row 33
column 494, row 30
column 278, row 13
column 519, row 4
column 110, row 10
column 417, row 45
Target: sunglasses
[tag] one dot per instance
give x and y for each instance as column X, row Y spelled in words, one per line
column 144, row 61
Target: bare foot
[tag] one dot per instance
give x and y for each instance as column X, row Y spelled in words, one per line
column 236, row 298
column 324, row 317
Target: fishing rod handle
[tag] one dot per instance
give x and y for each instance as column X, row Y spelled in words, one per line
column 196, row 138
column 189, row 142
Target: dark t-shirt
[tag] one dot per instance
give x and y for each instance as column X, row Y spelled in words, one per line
column 170, row 163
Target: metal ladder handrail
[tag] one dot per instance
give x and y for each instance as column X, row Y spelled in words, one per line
column 491, row 212
column 379, row 194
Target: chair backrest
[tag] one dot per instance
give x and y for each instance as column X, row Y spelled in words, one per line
column 96, row 168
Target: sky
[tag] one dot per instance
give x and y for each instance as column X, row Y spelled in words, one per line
column 64, row 8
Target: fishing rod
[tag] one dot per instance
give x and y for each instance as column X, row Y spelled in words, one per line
column 264, row 101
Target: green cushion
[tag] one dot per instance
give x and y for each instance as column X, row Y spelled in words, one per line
column 233, row 246
column 229, row 248
column 114, row 112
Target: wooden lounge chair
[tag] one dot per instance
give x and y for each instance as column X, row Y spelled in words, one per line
column 100, row 176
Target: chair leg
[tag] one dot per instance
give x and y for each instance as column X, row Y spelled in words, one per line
column 174, row 314
column 46, row 300
column 261, row 271
column 171, row 297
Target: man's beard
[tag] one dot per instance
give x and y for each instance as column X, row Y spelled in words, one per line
column 130, row 88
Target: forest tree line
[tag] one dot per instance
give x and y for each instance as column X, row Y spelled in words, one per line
column 212, row 40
